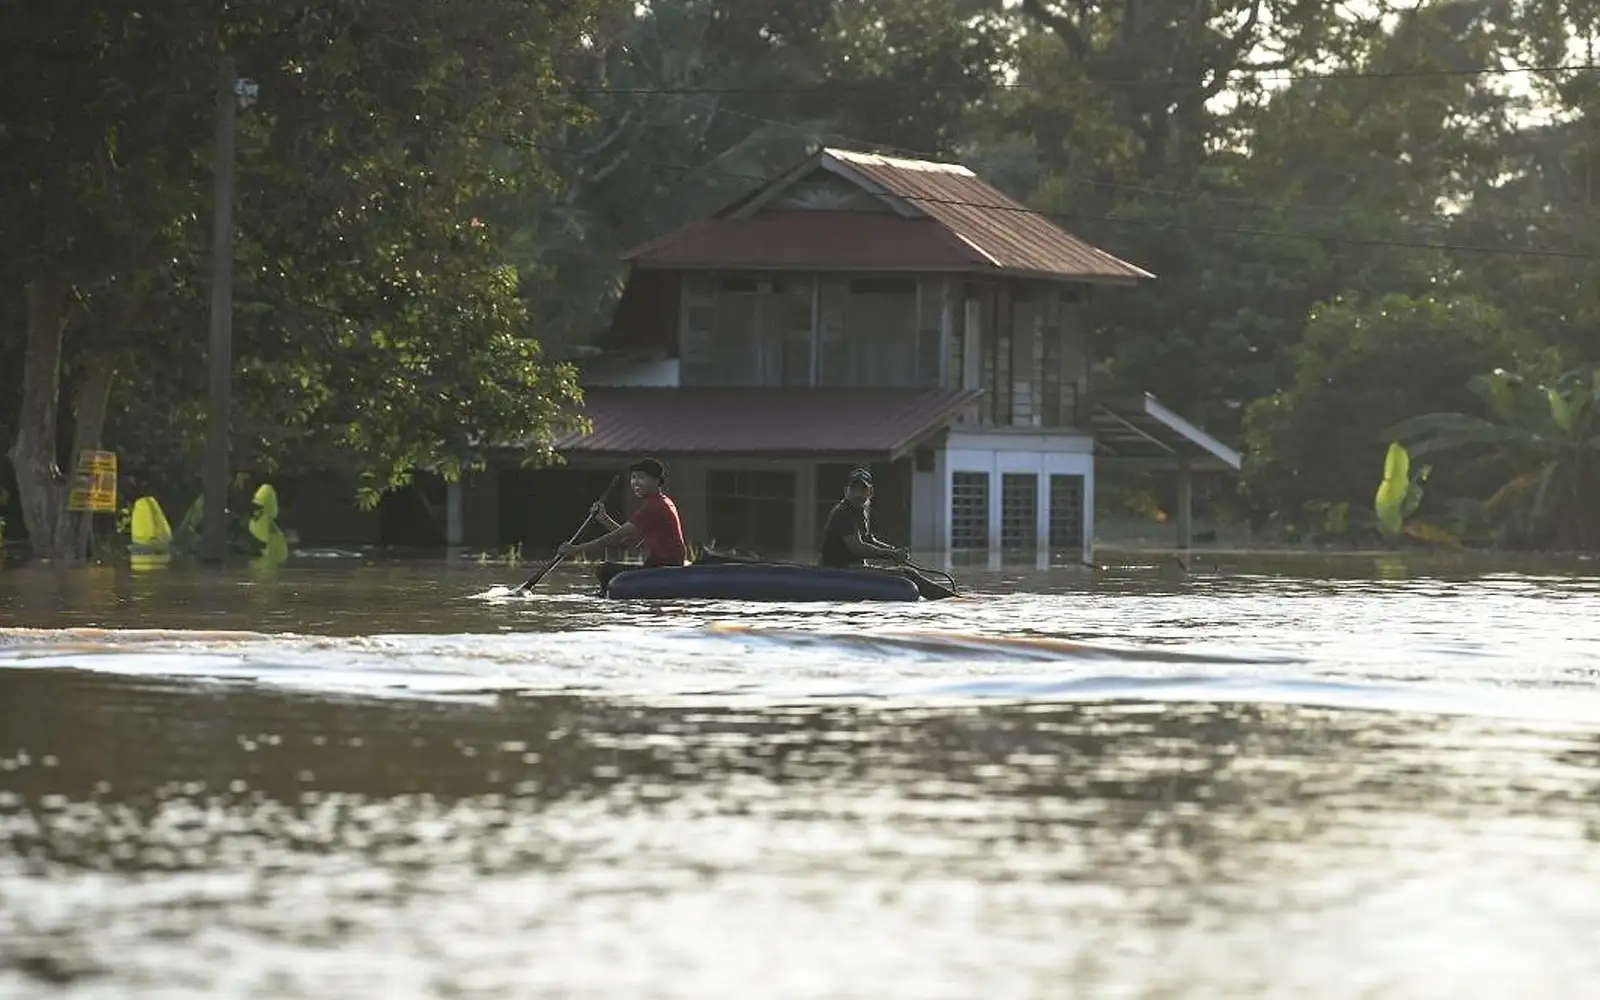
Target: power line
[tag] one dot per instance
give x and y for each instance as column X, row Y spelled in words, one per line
column 1111, row 185
column 1332, row 238
column 1303, row 236
column 923, row 87
column 1165, row 225
column 1184, row 195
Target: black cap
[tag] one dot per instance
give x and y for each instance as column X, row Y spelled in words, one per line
column 862, row 476
column 651, row 468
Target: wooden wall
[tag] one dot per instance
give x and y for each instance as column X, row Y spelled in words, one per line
column 1022, row 341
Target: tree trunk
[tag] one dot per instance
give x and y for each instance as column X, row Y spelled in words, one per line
column 91, row 401
column 41, row 488
column 56, row 534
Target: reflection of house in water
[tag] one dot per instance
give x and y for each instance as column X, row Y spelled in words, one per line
column 859, row 309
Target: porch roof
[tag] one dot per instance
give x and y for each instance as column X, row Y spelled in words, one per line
column 775, row 422
column 1142, row 431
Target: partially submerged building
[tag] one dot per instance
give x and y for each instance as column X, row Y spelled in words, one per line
column 857, row 310
column 864, row 309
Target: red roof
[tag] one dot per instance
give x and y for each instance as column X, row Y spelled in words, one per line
column 861, row 423
column 1013, row 236
column 957, row 222
column 799, row 239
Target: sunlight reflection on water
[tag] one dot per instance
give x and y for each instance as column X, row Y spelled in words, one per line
column 1123, row 786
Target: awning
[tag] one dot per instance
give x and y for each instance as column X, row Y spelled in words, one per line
column 857, row 424
column 1144, row 432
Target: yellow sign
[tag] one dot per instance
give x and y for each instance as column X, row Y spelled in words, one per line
column 94, row 484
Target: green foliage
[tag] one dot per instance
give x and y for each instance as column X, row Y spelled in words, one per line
column 431, row 202
column 1400, row 493
column 688, row 105
column 256, row 534
column 1363, row 366
column 1539, row 441
column 1393, row 490
column 378, row 327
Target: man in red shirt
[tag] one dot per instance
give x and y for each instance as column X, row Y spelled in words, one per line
column 654, row 527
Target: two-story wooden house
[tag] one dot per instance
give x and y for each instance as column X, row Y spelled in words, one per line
column 862, row 309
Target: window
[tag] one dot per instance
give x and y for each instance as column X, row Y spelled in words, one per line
column 1025, row 359
column 1066, row 514
column 1019, row 511
column 752, row 510
column 958, row 358
column 997, row 360
column 786, row 341
column 1060, row 379
column 929, row 343
column 969, row 511
column 736, row 358
column 881, row 331
column 698, row 329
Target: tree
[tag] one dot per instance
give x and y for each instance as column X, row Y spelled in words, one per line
column 1542, row 441
column 1363, row 366
column 378, row 327
column 100, row 165
column 1197, row 192
column 691, row 104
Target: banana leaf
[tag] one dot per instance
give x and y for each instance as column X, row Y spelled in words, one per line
column 1536, row 512
column 1390, row 499
column 1435, row 432
column 1499, row 390
column 1414, row 491
column 1566, row 408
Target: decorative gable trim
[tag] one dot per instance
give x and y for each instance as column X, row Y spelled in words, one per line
column 824, row 161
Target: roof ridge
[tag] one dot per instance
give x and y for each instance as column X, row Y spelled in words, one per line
column 898, row 162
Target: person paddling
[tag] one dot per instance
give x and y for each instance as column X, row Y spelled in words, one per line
column 655, row 526
column 847, row 539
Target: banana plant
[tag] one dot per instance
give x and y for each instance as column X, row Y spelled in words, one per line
column 1398, row 497
column 152, row 540
column 1544, row 439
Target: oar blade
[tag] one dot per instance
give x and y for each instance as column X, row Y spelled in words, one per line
column 544, row 570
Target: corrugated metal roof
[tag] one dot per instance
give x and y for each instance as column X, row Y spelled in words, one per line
column 798, row 239
column 1144, row 430
column 862, row 423
column 1015, row 237
column 978, row 228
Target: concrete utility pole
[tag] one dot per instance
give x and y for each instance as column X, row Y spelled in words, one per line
column 214, row 536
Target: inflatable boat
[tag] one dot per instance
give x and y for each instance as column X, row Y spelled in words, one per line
column 770, row 581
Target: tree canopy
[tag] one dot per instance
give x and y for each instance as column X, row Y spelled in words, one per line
column 1352, row 211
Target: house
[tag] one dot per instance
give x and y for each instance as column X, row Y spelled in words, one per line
column 863, row 309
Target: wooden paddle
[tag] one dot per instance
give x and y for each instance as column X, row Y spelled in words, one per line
column 931, row 589
column 559, row 558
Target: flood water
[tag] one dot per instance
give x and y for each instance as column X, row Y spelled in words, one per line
column 1290, row 778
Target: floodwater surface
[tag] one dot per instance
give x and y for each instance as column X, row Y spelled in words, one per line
column 1353, row 777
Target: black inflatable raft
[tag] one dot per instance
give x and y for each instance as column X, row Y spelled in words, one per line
column 764, row 581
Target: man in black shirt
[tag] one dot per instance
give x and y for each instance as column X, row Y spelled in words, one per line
column 847, row 540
